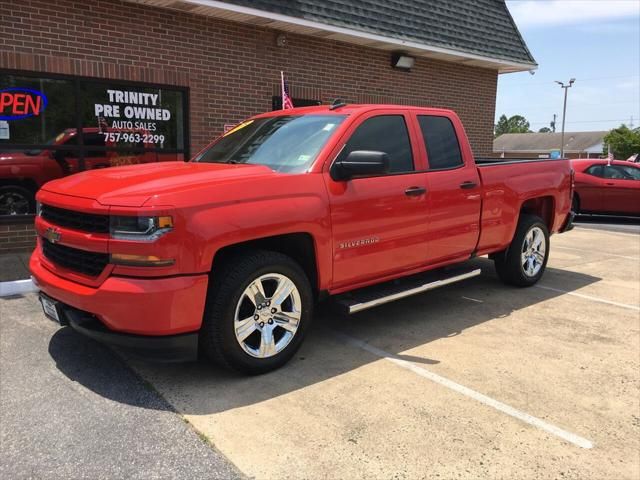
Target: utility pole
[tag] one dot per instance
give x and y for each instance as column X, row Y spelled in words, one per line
column 564, row 111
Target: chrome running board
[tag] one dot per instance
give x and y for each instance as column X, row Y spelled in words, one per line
column 369, row 297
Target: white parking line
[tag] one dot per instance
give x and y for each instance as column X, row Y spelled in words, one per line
column 599, row 251
column 456, row 387
column 593, row 299
column 622, row 234
column 473, row 299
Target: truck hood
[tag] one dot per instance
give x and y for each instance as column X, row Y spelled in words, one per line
column 134, row 185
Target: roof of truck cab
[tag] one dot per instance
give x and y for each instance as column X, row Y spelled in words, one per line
column 348, row 109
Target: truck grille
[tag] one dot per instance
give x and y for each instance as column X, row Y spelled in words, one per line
column 89, row 263
column 75, row 220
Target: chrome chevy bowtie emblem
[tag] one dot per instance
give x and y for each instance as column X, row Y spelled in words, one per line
column 52, row 234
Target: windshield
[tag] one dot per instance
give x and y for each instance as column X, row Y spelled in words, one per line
column 285, row 143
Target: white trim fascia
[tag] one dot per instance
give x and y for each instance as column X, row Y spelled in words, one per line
column 358, row 34
column 17, row 287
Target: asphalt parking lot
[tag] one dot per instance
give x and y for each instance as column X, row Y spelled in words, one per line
column 475, row 380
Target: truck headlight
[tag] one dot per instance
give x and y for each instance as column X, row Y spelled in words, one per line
column 144, row 229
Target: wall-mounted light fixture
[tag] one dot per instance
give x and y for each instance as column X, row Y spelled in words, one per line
column 281, row 40
column 402, row 61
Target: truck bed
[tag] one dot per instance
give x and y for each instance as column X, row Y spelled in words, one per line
column 508, row 183
column 489, row 161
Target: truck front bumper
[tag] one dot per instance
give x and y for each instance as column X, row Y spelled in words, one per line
column 158, row 317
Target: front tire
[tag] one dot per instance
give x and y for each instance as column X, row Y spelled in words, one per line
column 525, row 261
column 258, row 309
column 575, row 204
column 16, row 200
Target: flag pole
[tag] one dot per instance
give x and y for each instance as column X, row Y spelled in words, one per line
column 282, row 87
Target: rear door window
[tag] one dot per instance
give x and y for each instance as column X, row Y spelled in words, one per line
column 441, row 142
column 384, row 133
column 614, row 173
column 631, row 172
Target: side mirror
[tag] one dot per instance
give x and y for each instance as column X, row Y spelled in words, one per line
column 359, row 163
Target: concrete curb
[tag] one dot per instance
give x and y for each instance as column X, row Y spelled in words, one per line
column 17, row 287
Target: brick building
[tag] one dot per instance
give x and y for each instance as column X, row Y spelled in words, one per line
column 176, row 71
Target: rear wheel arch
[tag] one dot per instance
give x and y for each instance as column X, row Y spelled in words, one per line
column 542, row 207
column 24, row 183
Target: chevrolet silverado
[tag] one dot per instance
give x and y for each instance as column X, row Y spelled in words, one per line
column 228, row 253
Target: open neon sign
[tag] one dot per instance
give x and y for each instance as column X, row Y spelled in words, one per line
column 17, row 103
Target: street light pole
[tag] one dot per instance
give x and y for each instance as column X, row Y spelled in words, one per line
column 564, row 112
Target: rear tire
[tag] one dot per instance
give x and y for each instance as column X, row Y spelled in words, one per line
column 258, row 309
column 525, row 261
column 575, row 204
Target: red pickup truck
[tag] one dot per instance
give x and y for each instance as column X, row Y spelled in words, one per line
column 229, row 252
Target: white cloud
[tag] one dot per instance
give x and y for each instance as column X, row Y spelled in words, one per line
column 631, row 84
column 541, row 13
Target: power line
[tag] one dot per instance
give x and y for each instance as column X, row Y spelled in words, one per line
column 541, row 82
column 586, row 121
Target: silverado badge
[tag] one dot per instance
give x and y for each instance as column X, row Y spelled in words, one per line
column 52, row 234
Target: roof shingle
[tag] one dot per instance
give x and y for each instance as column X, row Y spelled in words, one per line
column 544, row 142
column 480, row 27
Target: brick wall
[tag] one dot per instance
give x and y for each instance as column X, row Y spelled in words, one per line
column 17, row 237
column 231, row 69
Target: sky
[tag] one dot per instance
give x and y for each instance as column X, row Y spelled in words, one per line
column 597, row 42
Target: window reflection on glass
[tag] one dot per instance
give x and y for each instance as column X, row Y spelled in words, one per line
column 52, row 120
column 53, row 127
column 129, row 114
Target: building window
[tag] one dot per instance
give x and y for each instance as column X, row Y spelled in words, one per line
column 276, row 102
column 55, row 126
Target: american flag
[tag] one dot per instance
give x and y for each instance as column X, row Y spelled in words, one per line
column 286, row 99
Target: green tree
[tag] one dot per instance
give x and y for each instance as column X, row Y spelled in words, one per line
column 623, row 141
column 514, row 124
column 544, row 130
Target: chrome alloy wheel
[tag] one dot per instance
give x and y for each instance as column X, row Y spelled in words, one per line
column 267, row 315
column 13, row 203
column 533, row 253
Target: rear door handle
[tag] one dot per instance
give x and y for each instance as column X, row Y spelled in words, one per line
column 610, row 184
column 468, row 185
column 415, row 191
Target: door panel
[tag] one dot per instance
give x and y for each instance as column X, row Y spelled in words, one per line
column 378, row 229
column 453, row 182
column 621, row 196
column 454, row 214
column 589, row 185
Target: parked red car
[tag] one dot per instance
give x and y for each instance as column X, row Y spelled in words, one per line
column 605, row 187
column 228, row 253
column 22, row 173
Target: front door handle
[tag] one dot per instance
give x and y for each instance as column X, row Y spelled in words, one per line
column 468, row 185
column 610, row 184
column 415, row 191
